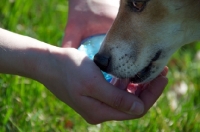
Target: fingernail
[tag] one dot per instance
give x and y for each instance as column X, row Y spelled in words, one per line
column 137, row 108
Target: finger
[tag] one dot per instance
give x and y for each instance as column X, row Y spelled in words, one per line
column 137, row 88
column 117, row 98
column 165, row 71
column 72, row 37
column 100, row 112
column 153, row 91
column 120, row 83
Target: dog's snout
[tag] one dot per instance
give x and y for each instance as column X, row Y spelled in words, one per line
column 102, row 61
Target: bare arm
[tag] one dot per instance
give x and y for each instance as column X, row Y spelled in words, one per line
column 21, row 55
column 74, row 79
column 88, row 17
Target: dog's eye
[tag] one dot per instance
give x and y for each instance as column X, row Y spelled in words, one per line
column 137, row 5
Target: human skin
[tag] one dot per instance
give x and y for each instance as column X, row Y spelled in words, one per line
column 71, row 76
column 91, row 17
column 87, row 18
column 74, row 79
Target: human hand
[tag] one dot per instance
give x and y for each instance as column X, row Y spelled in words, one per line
column 87, row 18
column 78, row 82
column 147, row 92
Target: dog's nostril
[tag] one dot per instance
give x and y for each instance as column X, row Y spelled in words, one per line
column 102, row 61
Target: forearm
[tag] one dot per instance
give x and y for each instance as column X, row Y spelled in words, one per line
column 22, row 55
column 99, row 7
column 87, row 18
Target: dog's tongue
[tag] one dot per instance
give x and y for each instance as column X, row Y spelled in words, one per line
column 124, row 84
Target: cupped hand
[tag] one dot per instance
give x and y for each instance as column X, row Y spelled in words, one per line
column 78, row 82
column 87, row 18
column 147, row 92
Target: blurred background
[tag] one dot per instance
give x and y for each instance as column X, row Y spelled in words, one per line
column 26, row 105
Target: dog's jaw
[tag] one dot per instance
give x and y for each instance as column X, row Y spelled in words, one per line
column 138, row 64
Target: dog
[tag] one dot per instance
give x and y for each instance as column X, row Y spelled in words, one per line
column 145, row 34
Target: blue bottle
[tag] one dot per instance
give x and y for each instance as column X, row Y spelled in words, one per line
column 90, row 46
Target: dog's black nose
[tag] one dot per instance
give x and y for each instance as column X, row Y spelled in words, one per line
column 101, row 61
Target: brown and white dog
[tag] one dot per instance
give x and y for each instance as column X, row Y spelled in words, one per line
column 144, row 36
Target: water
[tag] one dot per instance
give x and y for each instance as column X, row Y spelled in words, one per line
column 90, row 46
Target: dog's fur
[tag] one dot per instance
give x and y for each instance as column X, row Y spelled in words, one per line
column 144, row 36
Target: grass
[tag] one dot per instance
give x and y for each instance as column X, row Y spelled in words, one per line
column 26, row 105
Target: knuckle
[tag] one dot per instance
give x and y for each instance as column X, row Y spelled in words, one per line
column 118, row 101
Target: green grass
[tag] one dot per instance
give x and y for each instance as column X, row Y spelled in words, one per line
column 26, row 105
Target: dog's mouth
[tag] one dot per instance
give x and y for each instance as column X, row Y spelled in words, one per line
column 146, row 71
column 103, row 61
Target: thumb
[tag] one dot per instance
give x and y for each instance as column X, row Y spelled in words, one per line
column 118, row 99
column 72, row 37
